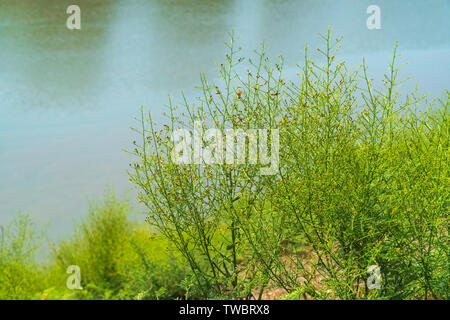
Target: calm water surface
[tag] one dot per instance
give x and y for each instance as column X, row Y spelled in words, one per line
column 67, row 98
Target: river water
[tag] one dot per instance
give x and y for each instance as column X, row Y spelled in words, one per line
column 68, row 97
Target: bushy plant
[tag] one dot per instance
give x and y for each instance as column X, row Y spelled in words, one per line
column 20, row 274
column 362, row 180
column 118, row 258
column 98, row 245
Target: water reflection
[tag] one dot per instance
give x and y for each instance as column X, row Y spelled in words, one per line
column 45, row 65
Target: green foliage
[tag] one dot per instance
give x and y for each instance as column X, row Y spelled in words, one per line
column 155, row 270
column 118, row 259
column 98, row 245
column 362, row 180
column 20, row 276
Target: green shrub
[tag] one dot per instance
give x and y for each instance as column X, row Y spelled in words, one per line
column 362, row 180
column 20, row 274
column 118, row 258
column 98, row 245
column 156, row 271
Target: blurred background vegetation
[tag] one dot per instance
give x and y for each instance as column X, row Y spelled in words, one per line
column 118, row 258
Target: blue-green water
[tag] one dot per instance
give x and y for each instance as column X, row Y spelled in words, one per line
column 67, row 97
